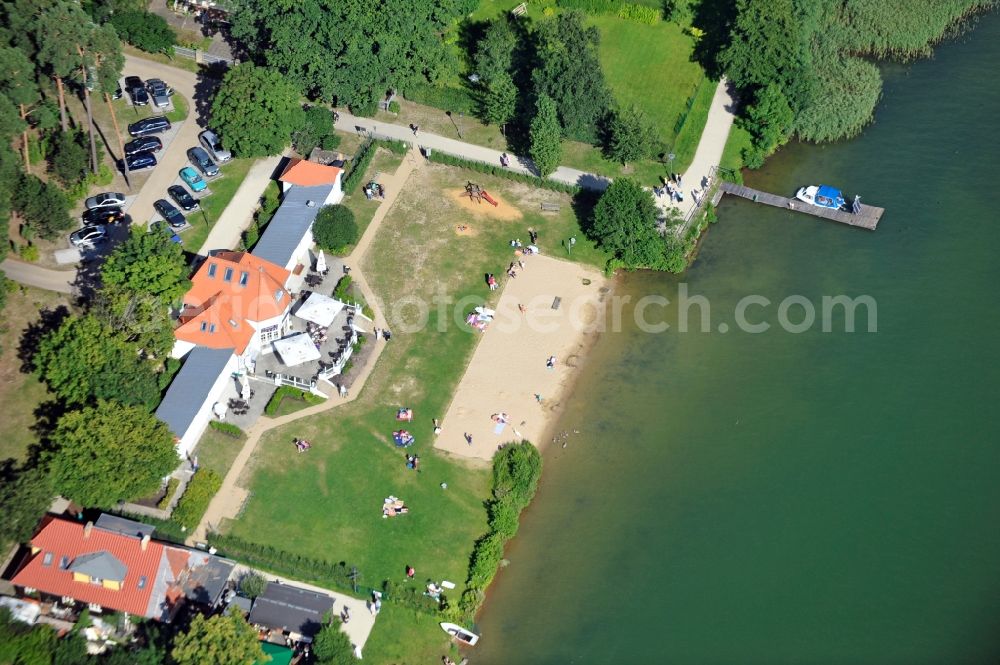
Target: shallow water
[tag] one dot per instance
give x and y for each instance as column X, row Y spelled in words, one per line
column 794, row 498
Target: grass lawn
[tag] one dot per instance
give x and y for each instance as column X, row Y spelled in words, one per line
column 217, row 451
column 223, row 188
column 384, row 163
column 732, row 155
column 20, row 393
column 327, row 504
column 435, row 121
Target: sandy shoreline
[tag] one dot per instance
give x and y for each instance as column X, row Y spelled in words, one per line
column 507, row 373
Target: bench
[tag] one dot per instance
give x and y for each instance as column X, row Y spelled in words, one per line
column 551, row 207
column 520, row 10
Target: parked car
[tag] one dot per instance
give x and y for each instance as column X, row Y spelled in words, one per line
column 158, row 90
column 149, row 126
column 160, row 227
column 210, row 140
column 182, row 198
column 171, row 214
column 105, row 199
column 117, row 94
column 103, row 216
column 133, row 82
column 143, row 144
column 136, row 90
column 192, row 179
column 138, row 162
column 88, row 236
column 204, row 163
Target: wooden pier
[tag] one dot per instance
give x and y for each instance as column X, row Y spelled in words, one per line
column 867, row 218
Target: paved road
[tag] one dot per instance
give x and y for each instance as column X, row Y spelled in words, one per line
column 350, row 123
column 39, row 277
column 225, row 233
column 174, row 156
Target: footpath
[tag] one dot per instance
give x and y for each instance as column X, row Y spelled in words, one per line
column 230, row 498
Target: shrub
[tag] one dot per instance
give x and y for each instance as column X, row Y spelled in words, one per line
column 335, row 228
column 43, row 206
column 364, row 109
column 228, row 429
column 70, row 158
column 291, row 393
column 29, row 253
column 171, row 488
column 500, row 172
column 394, row 107
column 252, row 585
column 456, row 100
column 623, row 10
column 144, row 30
column 340, row 292
column 330, row 142
column 194, row 502
column 359, row 164
column 503, row 518
column 317, row 123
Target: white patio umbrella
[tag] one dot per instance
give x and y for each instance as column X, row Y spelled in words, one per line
column 321, row 262
column 244, row 387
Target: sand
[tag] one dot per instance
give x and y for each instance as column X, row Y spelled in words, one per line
column 502, row 210
column 508, row 367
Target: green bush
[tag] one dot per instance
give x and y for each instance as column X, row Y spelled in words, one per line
column 291, row 393
column 359, row 164
column 70, row 158
column 29, row 253
column 194, row 502
column 503, row 518
column 330, row 142
column 228, row 429
column 335, row 228
column 364, row 109
column 342, row 290
column 317, row 124
column 456, row 100
column 252, row 585
column 623, row 10
column 394, row 107
column 640, row 14
column 143, row 30
column 395, row 147
column 500, row 172
column 171, row 488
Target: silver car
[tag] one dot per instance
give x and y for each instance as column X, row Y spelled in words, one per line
column 88, row 236
column 213, row 145
column 105, row 200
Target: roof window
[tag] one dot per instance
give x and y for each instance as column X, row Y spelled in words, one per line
column 211, row 269
column 204, row 326
column 244, row 276
column 142, row 582
column 47, row 559
column 228, row 275
column 278, row 294
column 64, row 563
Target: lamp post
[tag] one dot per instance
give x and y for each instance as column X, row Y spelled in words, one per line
column 450, row 117
column 670, row 164
column 569, row 245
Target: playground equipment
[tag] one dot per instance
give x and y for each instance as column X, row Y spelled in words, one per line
column 478, row 194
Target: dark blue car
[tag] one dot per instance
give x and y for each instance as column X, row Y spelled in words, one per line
column 139, row 161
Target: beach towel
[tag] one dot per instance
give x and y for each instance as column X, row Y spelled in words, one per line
column 499, row 428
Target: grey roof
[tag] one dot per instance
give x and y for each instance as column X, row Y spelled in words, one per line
column 286, row 607
column 290, row 223
column 191, row 386
column 101, row 565
column 206, row 578
column 123, row 526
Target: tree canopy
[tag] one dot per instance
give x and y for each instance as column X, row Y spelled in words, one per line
column 333, row 646
column 630, row 135
column 257, row 110
column 144, row 30
column 109, row 453
column 545, row 146
column 335, row 228
column 225, row 639
column 625, row 223
column 146, row 263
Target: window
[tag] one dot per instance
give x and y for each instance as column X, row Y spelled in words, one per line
column 278, row 294
column 204, row 326
column 228, row 275
column 211, row 328
column 269, row 334
column 64, row 563
column 244, row 276
column 96, row 580
column 142, row 582
column 47, row 559
column 211, row 269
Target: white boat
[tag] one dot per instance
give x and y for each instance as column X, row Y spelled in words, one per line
column 461, row 634
column 822, row 196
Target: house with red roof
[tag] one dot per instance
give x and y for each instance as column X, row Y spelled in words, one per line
column 115, row 565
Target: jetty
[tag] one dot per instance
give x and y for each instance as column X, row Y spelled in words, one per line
column 866, row 218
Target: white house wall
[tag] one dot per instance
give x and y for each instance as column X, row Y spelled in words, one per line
column 200, row 422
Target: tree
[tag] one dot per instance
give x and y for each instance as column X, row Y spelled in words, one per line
column 630, row 135
column 256, row 109
column 495, row 51
column 69, row 158
column 500, row 100
column 18, row 85
column 769, row 119
column 333, row 646
column 110, row 453
column 335, row 228
column 317, row 125
column 43, row 207
column 25, row 495
column 83, row 360
column 146, row 264
column 625, row 224
column 252, row 585
column 569, row 71
column 144, row 30
column 546, row 150
column 58, row 33
column 225, row 639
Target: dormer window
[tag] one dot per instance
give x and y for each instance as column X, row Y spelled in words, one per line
column 244, row 277
column 228, row 275
column 211, row 269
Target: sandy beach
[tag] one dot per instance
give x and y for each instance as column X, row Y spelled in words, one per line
column 508, row 373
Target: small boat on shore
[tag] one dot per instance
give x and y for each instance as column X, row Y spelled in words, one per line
column 822, row 196
column 461, row 634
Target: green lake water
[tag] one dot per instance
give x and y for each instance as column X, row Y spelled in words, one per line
column 795, row 498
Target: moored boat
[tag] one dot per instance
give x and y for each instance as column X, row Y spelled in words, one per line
column 461, row 634
column 822, row 196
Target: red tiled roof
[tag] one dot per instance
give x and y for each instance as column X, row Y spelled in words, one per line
column 178, row 560
column 217, row 311
column 62, row 538
column 308, row 174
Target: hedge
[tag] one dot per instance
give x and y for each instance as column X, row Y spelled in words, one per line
column 194, row 502
column 291, row 393
column 500, row 172
column 169, row 494
column 516, row 470
column 456, row 100
column 228, row 429
column 359, row 164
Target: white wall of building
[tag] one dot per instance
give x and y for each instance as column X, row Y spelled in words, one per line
column 199, row 423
